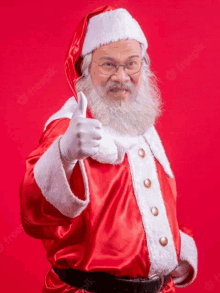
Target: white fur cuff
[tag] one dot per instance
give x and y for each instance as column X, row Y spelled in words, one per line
column 51, row 178
column 188, row 253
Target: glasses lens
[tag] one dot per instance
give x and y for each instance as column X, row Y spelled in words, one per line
column 108, row 67
column 133, row 67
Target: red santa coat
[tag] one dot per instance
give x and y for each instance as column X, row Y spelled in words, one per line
column 103, row 218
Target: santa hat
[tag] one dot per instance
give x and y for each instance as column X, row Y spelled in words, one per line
column 112, row 26
column 101, row 26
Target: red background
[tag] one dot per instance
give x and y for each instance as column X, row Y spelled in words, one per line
column 183, row 39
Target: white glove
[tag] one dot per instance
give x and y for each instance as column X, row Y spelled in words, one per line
column 82, row 137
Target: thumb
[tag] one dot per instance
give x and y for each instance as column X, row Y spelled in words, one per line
column 82, row 105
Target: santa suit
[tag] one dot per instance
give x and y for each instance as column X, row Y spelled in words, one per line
column 116, row 213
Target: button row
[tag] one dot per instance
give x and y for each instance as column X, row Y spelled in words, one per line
column 154, row 210
column 147, row 182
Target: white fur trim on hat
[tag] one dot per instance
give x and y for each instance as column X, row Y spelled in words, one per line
column 112, row 26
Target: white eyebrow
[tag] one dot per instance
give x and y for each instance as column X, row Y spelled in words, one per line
column 112, row 59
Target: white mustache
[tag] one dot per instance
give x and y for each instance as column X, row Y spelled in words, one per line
column 129, row 87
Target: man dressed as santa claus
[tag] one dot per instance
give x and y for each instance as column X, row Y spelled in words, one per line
column 99, row 191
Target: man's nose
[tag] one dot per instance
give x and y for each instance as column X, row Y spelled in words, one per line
column 120, row 75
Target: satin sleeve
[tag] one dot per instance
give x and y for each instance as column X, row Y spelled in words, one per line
column 188, row 258
column 46, row 199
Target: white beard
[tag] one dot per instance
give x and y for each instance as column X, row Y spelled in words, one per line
column 133, row 117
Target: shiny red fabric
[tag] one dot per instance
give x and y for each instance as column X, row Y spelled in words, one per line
column 108, row 235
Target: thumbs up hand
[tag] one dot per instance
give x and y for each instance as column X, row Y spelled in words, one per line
column 82, row 137
column 82, row 105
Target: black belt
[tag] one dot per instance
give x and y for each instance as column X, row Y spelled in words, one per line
column 102, row 282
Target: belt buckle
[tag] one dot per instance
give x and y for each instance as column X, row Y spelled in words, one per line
column 161, row 278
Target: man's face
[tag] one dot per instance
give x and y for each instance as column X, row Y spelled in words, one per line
column 119, row 85
column 126, row 112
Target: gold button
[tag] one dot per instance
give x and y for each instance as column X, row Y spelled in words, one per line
column 154, row 211
column 163, row 241
column 147, row 183
column 141, row 153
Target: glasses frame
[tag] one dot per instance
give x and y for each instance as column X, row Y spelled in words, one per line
column 116, row 68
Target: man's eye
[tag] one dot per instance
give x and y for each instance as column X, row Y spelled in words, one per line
column 108, row 64
column 132, row 63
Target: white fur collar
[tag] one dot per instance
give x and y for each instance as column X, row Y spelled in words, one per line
column 113, row 145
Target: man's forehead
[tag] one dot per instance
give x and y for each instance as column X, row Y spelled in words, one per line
column 122, row 48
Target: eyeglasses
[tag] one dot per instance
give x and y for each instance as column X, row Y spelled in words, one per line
column 111, row 67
